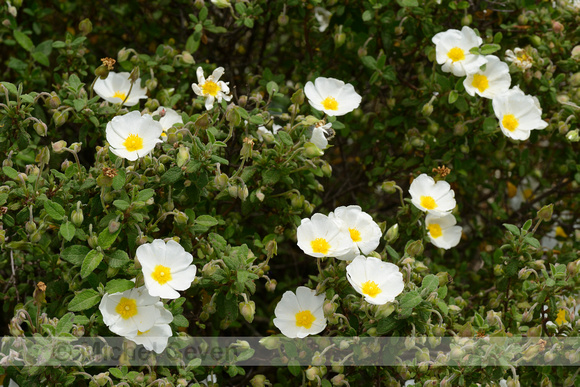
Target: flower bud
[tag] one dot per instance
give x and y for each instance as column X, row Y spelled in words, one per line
column 43, row 155
column 389, row 187
column 326, row 169
column 297, row 201
column 233, row 190
column 232, row 115
column 298, row 97
column 78, row 330
column 573, row 135
column 246, row 151
column 311, row 150
column 557, row 27
column 392, row 233
column 259, row 381
column 283, row 19
column 339, row 38
column 270, row 342
column 209, row 269
column 54, row 101
column 134, row 74
column 187, row 58
column 102, row 72
column 40, row 128
column 180, row 217
column 76, row 147
column 415, row 248
column 312, row 373
column 60, row 118
column 85, row 27
column 114, row 226
column 30, row 227
column 222, row 3
column 243, row 192
column 545, row 212
column 182, row 156
column 247, row 309
column 427, row 109
column 338, row 380
column 260, row 195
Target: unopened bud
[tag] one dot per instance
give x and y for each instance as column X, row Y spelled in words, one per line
column 243, row 192
column 247, row 309
column 85, row 27
column 389, row 187
column 232, row 115
column 102, row 72
column 311, row 150
column 312, row 373
column 180, row 217
column 134, row 76
column 557, row 27
column 114, row 226
column 427, row 109
column 545, row 212
column 271, row 285
column 415, row 248
column 40, row 128
column 233, row 191
column 392, row 233
column 298, row 97
column 283, row 19
column 60, row 118
column 222, row 3
column 259, row 381
column 30, row 227
column 221, row 181
column 339, row 39
column 270, row 342
column 573, row 135
column 54, row 101
column 123, row 55
column 260, row 195
column 385, row 310
column 76, row 147
column 182, row 156
column 187, row 58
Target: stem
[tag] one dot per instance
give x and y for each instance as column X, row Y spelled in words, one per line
column 78, row 162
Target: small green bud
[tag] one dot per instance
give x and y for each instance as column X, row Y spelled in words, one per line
column 77, row 217
column 427, row 109
column 297, row 201
column 385, row 310
column 326, row 169
column 60, row 118
column 545, row 212
column 102, row 72
column 415, row 248
column 76, row 147
column 40, row 128
column 271, row 285
column 54, row 101
column 30, row 227
column 134, row 76
column 270, row 342
column 573, row 135
column 180, row 217
column 298, row 97
column 85, row 27
column 233, row 190
column 283, row 19
column 339, row 39
column 311, row 150
column 392, row 233
column 43, row 155
column 362, row 51
column 312, row 373
column 123, row 55
column 58, row 147
column 182, row 156
column 243, row 192
column 222, row 3
column 232, row 115
column 151, row 83
column 247, row 309
column 536, row 40
column 187, row 58
column 466, row 20
column 114, row 226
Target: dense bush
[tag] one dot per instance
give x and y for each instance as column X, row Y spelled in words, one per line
column 73, row 213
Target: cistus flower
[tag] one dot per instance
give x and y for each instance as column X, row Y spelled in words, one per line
column 132, row 136
column 299, row 315
column 130, row 312
column 156, row 337
column 321, row 236
column 518, row 113
column 322, row 17
column 319, row 133
column 493, row 81
column 442, row 230
column 168, row 117
column 523, row 193
column 360, row 226
column 211, row 88
column 115, row 89
column 332, row 96
column 262, row 132
column 520, row 58
column 379, row 282
column 437, row 198
column 452, row 51
column 166, row 267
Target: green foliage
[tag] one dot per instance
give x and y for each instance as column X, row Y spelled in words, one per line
column 73, row 213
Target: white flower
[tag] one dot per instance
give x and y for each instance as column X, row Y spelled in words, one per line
column 211, row 88
column 518, row 113
column 379, row 282
column 155, row 338
column 323, row 18
column 494, row 80
column 210, row 379
column 549, row 241
column 442, row 230
column 319, row 133
column 263, row 132
column 115, row 88
column 132, row 136
column 426, row 195
column 300, row 314
column 332, row 96
column 452, row 51
column 130, row 312
column 321, row 236
column 364, row 232
column 519, row 58
column 166, row 268
column 523, row 193
column 169, row 117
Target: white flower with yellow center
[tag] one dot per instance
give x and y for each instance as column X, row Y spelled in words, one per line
column 524, row 193
column 211, row 88
column 494, row 80
column 427, row 195
column 379, row 282
column 321, row 236
column 520, row 58
column 518, row 113
column 132, row 135
column 364, row 232
column 155, row 338
column 129, row 312
column 332, row 96
column 166, row 267
column 115, row 89
column 452, row 51
column 299, row 315
column 442, row 230
column 168, row 118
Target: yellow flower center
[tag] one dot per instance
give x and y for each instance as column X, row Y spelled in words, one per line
column 371, row 289
column 211, row 88
column 560, row 232
column 435, row 230
column 428, row 202
column 528, row 194
column 512, row 190
column 561, row 319
column 161, row 274
column 320, row 245
column 139, row 333
column 510, row 122
column 127, row 307
column 456, row 54
column 354, row 235
column 304, row 319
column 330, row 103
column 133, row 143
column 480, row 82
column 120, row 94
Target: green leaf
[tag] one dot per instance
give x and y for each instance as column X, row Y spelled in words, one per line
column 453, row 95
column 285, row 138
column 410, row 300
column 67, row 230
column 23, row 40
column 106, row 239
column 10, row 86
column 271, row 87
column 294, row 367
column 116, row 373
column 91, row 262
column 41, row 58
column 487, row 49
column 513, row 229
column 75, row 254
column 171, row 176
column 369, row 62
column 392, row 252
column 121, row 204
column 145, row 195
column 65, row 324
column 10, row 172
column 118, row 285
column 527, row 225
column 119, row 180
column 180, row 321
column 367, row 15
column 409, row 3
column 443, row 307
column 430, row 284
column 489, row 124
column 54, row 210
column 386, row 325
column 206, row 221
column 84, row 300
column 217, row 241
column 118, row 258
